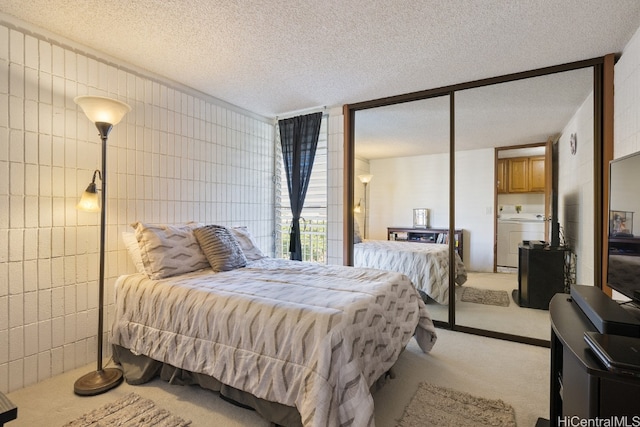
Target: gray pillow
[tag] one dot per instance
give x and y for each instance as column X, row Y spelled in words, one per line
column 220, row 247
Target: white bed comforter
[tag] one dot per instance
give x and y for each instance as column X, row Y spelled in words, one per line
column 311, row 336
column 426, row 264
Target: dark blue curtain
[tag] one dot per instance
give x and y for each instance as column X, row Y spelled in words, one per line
column 299, row 138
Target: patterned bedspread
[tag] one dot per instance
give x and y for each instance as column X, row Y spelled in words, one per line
column 427, row 265
column 306, row 335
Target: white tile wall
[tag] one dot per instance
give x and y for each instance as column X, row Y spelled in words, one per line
column 335, row 188
column 575, row 191
column 178, row 156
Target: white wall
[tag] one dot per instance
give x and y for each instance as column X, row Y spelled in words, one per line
column 178, row 156
column 576, row 182
column 475, row 177
column 575, row 190
column 402, row 184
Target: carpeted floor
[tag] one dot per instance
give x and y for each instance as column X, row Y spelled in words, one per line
column 515, row 320
column 441, row 406
column 484, row 367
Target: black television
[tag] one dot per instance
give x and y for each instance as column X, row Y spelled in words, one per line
column 623, row 261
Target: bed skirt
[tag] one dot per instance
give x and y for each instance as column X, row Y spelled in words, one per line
column 139, row 369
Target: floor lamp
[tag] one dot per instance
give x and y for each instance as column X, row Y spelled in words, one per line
column 104, row 113
column 365, row 179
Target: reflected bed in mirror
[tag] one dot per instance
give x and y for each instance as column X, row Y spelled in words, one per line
column 426, row 264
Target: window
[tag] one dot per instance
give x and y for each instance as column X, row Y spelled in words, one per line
column 313, row 221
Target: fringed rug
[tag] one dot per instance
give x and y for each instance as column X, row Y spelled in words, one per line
column 485, row 296
column 439, row 406
column 131, row 410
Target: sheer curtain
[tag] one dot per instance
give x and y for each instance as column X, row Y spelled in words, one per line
column 299, row 139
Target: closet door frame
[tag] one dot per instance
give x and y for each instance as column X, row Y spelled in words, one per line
column 603, row 152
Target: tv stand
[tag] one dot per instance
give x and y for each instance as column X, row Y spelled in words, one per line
column 580, row 386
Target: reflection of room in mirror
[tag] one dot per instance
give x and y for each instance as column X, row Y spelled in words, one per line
column 407, row 145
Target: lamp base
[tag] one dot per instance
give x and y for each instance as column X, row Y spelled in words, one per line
column 98, row 382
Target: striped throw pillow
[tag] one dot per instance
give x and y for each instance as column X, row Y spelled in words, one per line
column 220, row 247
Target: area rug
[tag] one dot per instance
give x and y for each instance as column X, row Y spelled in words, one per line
column 485, row 296
column 439, row 406
column 131, row 410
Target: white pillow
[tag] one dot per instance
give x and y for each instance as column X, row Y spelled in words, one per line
column 168, row 250
column 130, row 241
column 247, row 243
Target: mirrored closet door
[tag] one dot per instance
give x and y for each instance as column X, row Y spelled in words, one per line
column 456, row 166
column 503, row 187
column 401, row 184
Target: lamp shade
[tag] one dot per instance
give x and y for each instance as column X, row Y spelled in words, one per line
column 365, row 179
column 100, row 109
column 89, row 202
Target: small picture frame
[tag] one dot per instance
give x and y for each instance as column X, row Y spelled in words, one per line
column 621, row 224
column 421, row 218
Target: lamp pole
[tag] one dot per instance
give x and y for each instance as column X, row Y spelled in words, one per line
column 104, row 129
column 366, row 209
column 365, row 179
column 104, row 113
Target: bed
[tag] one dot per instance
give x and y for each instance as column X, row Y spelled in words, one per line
column 309, row 338
column 426, row 265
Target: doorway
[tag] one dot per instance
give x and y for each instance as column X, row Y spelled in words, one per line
column 522, row 207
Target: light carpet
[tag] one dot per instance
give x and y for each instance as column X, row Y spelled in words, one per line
column 440, row 406
column 485, row 296
column 130, row 410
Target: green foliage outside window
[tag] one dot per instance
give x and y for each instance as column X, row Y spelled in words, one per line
column 313, row 237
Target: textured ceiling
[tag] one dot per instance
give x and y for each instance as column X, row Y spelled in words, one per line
column 514, row 113
column 274, row 58
column 278, row 58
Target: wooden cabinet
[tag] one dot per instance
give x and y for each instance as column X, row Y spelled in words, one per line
column 518, row 173
column 426, row 235
column 521, row 175
column 501, row 173
column 536, row 174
